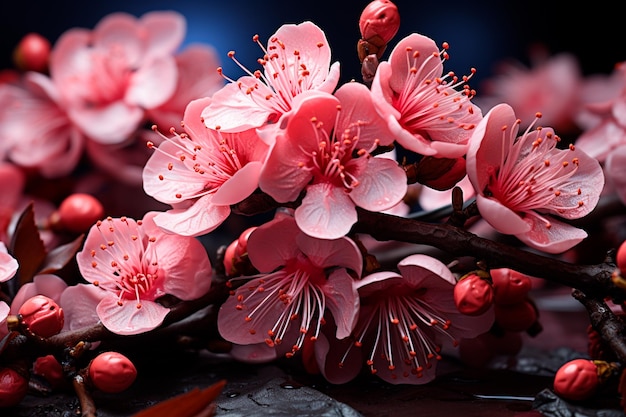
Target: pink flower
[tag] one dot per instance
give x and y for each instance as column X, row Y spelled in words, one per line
column 12, row 183
column 135, row 263
column 325, row 149
column 404, row 321
column 48, row 285
column 36, row 131
column 301, row 279
column 108, row 77
column 551, row 85
column 201, row 173
column 523, row 182
column 424, row 108
column 297, row 59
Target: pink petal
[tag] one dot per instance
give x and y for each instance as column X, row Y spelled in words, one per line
column 239, row 186
column 153, row 83
column 79, row 304
column 328, row 359
column 420, row 271
column 342, row 300
column 127, row 319
column 119, row 30
column 282, row 231
column 110, row 124
column 340, row 253
column 253, row 353
column 8, row 266
column 398, row 60
column 500, row 217
column 164, row 32
column 200, row 218
column 382, row 185
column 556, row 239
column 615, row 169
column 326, row 212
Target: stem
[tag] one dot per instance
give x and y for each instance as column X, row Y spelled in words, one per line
column 87, row 406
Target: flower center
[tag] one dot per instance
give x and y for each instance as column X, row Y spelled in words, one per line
column 428, row 98
column 534, row 174
column 128, row 264
column 217, row 162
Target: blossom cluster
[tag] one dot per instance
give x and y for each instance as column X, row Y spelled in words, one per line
column 321, row 153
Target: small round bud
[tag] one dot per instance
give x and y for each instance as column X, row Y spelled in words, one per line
column 50, row 369
column 381, row 19
column 440, row 174
column 32, row 53
column 42, row 316
column 473, row 295
column 13, row 387
column 516, row 317
column 77, row 213
column 112, row 372
column 510, row 286
column 576, row 380
column 236, row 252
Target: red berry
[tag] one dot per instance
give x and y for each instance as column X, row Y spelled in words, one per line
column 78, row 212
column 576, row 380
column 42, row 316
column 509, row 286
column 516, row 317
column 13, row 387
column 32, row 53
column 473, row 295
column 112, row 372
column 49, row 368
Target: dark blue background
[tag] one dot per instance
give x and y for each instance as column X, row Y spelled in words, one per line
column 479, row 33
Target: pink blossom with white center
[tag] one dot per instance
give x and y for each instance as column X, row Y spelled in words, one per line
column 325, row 149
column 297, row 59
column 429, row 112
column 201, row 173
column 523, row 182
column 134, row 263
column 301, row 280
column 108, row 77
column 36, row 131
column 405, row 319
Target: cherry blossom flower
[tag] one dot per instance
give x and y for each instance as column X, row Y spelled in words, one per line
column 135, row 263
column 297, row 59
column 325, row 149
column 405, row 320
column 201, row 173
column 523, row 182
column 552, row 85
column 301, row 279
column 36, row 131
column 427, row 111
column 107, row 77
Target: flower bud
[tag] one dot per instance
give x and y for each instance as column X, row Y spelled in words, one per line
column 42, row 316
column 381, row 19
column 473, row 295
column 234, row 262
column 576, row 380
column 13, row 387
column 439, row 173
column 111, row 372
column 516, row 317
column 32, row 53
column 509, row 286
column 50, row 369
column 77, row 213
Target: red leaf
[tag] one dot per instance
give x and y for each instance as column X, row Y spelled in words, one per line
column 58, row 257
column 188, row 404
column 26, row 246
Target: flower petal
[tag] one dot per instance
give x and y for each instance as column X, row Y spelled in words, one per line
column 128, row 319
column 326, row 212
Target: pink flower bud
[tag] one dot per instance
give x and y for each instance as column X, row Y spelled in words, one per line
column 49, row 368
column 112, row 372
column 13, row 387
column 576, row 380
column 236, row 251
column 473, row 295
column 32, row 53
column 510, row 287
column 42, row 316
column 380, row 18
column 77, row 213
column 516, row 317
